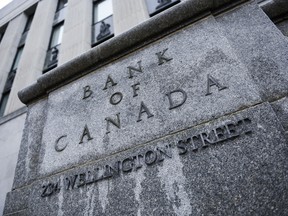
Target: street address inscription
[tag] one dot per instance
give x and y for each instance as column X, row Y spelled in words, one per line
column 191, row 144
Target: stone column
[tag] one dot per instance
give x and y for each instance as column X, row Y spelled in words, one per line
column 77, row 30
column 128, row 13
column 31, row 63
column 8, row 47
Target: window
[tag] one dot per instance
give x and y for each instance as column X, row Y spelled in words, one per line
column 1, row 36
column 9, row 81
column 57, row 34
column 28, row 24
column 26, row 30
column 12, row 73
column 3, row 103
column 62, row 4
column 2, row 32
column 102, row 28
column 17, row 59
column 51, row 60
column 54, row 46
column 60, row 12
column 156, row 6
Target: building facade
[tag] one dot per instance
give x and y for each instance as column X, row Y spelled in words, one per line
column 37, row 36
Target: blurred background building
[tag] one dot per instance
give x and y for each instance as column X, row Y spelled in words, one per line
column 39, row 35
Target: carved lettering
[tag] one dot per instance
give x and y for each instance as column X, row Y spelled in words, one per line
column 164, row 152
column 84, row 134
column 137, row 161
column 116, row 98
column 211, row 81
column 81, row 180
column 232, row 129
column 150, row 157
column 228, row 130
column 162, row 58
column 50, row 189
column 182, row 146
column 70, row 182
column 144, row 109
column 112, row 170
column 173, row 104
column 127, row 164
column 131, row 69
column 60, row 146
column 87, row 92
column 109, row 81
column 114, row 122
column 219, row 133
column 205, row 139
column 135, row 89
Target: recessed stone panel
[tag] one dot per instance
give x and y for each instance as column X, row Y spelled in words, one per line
column 234, row 165
column 186, row 78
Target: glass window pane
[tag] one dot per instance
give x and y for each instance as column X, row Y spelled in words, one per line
column 28, row 24
column 155, row 6
column 3, row 103
column 102, row 10
column 17, row 58
column 56, row 35
column 61, row 4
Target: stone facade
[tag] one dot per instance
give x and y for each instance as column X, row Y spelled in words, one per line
column 183, row 114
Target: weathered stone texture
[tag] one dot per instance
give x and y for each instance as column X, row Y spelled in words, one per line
column 28, row 158
column 261, row 47
column 181, row 126
column 194, row 53
column 241, row 175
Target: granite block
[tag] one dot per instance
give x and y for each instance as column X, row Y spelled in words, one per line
column 157, row 27
column 182, row 80
column 16, row 201
column 233, row 165
column 28, row 158
column 19, row 213
column 261, row 47
column 281, row 109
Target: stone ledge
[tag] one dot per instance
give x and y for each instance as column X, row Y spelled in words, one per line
column 13, row 115
column 141, row 35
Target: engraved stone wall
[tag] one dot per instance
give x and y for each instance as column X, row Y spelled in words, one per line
column 181, row 124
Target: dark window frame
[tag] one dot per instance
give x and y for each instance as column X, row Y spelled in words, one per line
column 51, row 35
column 28, row 23
column 161, row 9
column 98, row 21
column 7, row 90
column 2, row 31
column 59, row 7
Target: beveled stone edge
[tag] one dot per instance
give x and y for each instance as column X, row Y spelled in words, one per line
column 139, row 36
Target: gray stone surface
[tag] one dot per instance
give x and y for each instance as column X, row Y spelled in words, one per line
column 261, row 46
column 244, row 174
column 196, row 52
column 16, row 201
column 218, row 149
column 281, row 109
column 146, row 32
column 11, row 133
column 19, row 213
column 28, row 158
